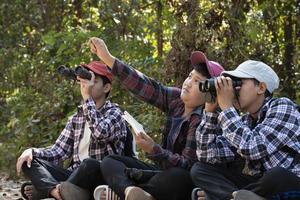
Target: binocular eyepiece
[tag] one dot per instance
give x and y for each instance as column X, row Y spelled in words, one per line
column 209, row 89
column 73, row 73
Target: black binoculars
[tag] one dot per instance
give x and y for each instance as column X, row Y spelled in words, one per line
column 208, row 87
column 72, row 74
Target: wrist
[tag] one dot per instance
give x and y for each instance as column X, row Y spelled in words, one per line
column 86, row 97
column 151, row 147
column 108, row 59
column 210, row 110
column 226, row 107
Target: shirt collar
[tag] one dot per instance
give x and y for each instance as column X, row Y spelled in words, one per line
column 104, row 107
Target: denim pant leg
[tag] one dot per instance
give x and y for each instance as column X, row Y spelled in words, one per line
column 44, row 175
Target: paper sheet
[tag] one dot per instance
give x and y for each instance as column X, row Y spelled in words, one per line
column 137, row 127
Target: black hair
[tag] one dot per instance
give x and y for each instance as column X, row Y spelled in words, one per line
column 105, row 81
column 202, row 69
column 267, row 93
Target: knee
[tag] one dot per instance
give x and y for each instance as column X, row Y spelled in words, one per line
column 35, row 163
column 202, row 172
column 25, row 167
column 89, row 165
column 108, row 162
column 271, row 177
column 277, row 171
column 196, row 171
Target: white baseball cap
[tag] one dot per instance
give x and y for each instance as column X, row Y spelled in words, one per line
column 257, row 70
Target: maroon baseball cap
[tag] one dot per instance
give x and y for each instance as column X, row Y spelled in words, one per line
column 214, row 68
column 100, row 69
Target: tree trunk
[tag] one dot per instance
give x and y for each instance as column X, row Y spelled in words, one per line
column 177, row 62
column 78, row 11
column 288, row 64
column 159, row 32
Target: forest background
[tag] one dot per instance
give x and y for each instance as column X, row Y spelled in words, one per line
column 155, row 36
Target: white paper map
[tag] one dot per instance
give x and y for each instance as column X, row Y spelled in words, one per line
column 137, row 127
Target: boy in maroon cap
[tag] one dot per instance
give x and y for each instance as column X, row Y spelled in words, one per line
column 93, row 132
column 175, row 156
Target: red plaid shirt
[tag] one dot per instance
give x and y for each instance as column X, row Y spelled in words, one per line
column 178, row 148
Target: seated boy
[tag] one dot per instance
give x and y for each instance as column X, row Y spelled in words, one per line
column 183, row 108
column 258, row 152
column 93, row 132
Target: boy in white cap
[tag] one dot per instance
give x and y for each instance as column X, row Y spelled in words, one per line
column 254, row 156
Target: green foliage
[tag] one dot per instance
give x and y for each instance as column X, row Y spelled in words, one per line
column 154, row 36
column 35, row 101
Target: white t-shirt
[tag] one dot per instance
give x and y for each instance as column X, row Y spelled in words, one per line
column 83, row 150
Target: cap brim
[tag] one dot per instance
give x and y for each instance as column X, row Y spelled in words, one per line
column 237, row 74
column 93, row 70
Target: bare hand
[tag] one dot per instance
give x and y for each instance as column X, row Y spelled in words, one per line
column 55, row 193
column 144, row 141
column 25, row 157
column 86, row 86
column 225, row 92
column 99, row 48
column 211, row 107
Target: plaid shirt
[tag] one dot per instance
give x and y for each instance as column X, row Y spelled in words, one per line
column 263, row 144
column 108, row 134
column 178, row 147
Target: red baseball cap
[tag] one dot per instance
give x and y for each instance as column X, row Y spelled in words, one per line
column 100, row 69
column 214, row 68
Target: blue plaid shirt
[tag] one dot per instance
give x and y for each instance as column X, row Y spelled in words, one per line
column 108, row 134
column 221, row 137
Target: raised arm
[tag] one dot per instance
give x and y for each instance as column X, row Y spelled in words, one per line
column 143, row 87
column 99, row 48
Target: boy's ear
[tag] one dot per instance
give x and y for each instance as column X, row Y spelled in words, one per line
column 107, row 87
column 262, row 87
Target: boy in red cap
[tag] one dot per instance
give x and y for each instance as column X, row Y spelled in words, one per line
column 183, row 108
column 93, row 132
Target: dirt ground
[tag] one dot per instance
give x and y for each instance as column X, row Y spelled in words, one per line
column 9, row 189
